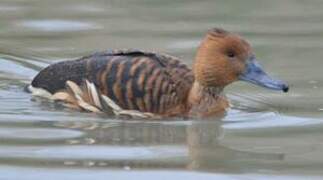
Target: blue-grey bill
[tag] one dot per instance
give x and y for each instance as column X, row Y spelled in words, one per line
column 256, row 75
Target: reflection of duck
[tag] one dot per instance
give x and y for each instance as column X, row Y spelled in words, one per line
column 196, row 145
column 209, row 150
column 156, row 83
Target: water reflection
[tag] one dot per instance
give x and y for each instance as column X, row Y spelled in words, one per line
column 207, row 150
column 190, row 145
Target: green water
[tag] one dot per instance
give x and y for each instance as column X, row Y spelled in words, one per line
column 265, row 135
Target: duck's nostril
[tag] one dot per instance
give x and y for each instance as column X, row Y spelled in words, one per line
column 285, row 88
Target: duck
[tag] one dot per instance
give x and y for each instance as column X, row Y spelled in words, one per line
column 145, row 84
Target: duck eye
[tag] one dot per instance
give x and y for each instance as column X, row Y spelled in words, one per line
column 231, row 54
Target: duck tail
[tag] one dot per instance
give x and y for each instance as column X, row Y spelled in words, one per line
column 27, row 88
column 39, row 92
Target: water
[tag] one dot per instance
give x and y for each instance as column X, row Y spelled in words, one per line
column 266, row 134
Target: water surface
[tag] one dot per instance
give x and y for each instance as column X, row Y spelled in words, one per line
column 265, row 134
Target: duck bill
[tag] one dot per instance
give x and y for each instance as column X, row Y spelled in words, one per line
column 255, row 74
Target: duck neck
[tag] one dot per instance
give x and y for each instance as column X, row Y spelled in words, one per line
column 205, row 101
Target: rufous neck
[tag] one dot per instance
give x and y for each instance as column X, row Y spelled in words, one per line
column 199, row 93
column 203, row 63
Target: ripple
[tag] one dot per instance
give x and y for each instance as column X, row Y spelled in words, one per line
column 86, row 8
column 38, row 133
column 81, row 152
column 242, row 120
column 28, row 173
column 7, row 8
column 15, row 69
column 58, row 25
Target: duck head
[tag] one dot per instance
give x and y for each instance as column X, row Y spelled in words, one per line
column 224, row 57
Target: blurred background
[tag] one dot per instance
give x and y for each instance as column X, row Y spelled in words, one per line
column 265, row 133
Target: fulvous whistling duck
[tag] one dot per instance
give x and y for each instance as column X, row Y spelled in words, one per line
column 146, row 84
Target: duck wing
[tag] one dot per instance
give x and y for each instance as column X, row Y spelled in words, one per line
column 132, row 79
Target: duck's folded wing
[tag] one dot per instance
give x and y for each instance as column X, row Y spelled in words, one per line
column 132, row 79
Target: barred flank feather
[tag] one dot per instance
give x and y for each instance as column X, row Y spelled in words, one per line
column 88, row 98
